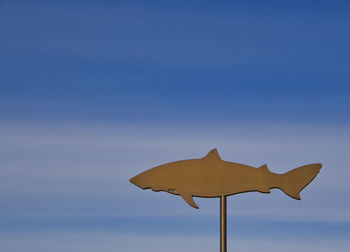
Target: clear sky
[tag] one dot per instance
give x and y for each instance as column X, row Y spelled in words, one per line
column 94, row 92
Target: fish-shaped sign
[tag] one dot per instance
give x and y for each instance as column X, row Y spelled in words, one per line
column 211, row 176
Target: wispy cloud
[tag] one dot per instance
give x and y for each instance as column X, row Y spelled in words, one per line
column 94, row 92
column 48, row 168
column 111, row 242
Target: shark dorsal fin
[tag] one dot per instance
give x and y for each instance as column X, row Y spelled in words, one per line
column 264, row 168
column 213, row 155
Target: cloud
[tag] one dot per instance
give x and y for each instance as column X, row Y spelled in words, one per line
column 169, row 84
column 70, row 168
column 156, row 243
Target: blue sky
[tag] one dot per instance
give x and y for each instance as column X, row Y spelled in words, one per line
column 94, row 92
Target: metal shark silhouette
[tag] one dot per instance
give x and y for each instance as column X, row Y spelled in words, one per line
column 210, row 176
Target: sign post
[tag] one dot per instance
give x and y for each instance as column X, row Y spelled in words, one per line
column 212, row 177
column 223, row 224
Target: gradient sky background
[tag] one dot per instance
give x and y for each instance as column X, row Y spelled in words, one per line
column 94, row 92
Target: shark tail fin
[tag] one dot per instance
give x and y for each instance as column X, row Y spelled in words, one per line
column 294, row 181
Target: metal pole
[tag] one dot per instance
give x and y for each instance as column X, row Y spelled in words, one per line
column 223, row 221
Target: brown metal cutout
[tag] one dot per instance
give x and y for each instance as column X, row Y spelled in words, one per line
column 210, row 176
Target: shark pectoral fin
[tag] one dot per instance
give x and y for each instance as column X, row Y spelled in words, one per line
column 188, row 198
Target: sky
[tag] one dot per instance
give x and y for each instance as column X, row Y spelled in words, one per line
column 94, row 92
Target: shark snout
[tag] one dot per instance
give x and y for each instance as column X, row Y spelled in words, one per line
column 139, row 182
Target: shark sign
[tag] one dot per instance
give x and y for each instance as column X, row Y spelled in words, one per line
column 211, row 176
